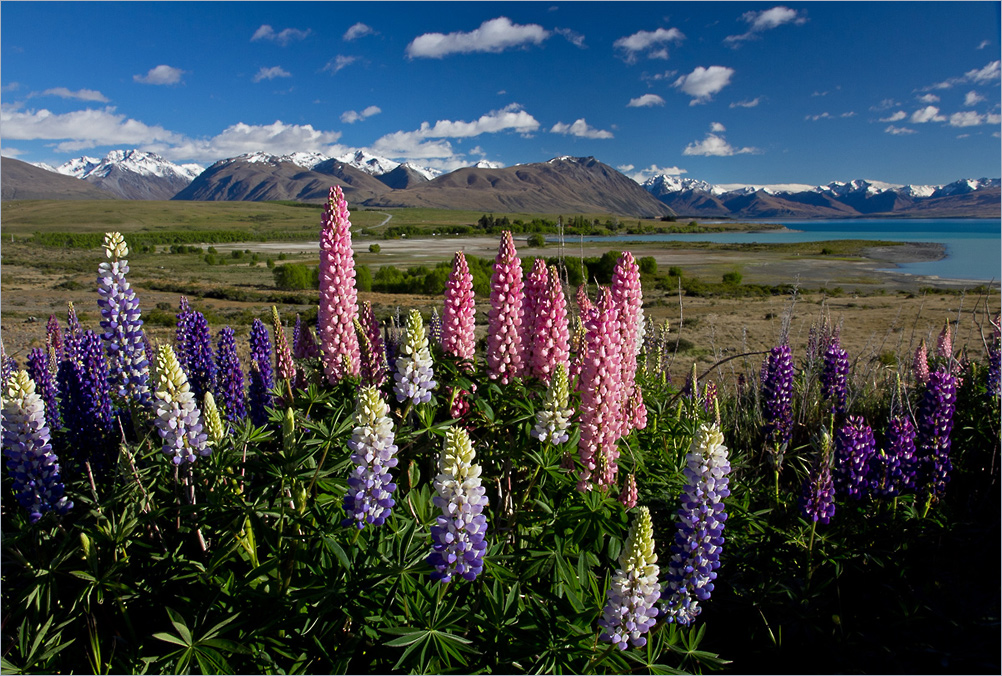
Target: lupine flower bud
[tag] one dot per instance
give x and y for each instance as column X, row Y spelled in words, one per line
column 435, row 327
column 579, row 348
column 261, row 378
column 370, row 486
column 700, row 536
column 338, row 296
column 230, row 380
column 585, row 306
column 944, row 343
column 178, row 420
column 709, row 396
column 414, row 376
column 54, row 337
column 373, row 356
column 554, row 417
column 458, row 544
column 213, row 423
column 777, row 400
column 123, row 327
column 920, row 366
column 630, row 609
column 599, row 385
column 854, row 447
column 45, row 384
column 835, row 377
column 283, row 355
column 31, row 463
column 935, row 423
column 505, row 349
column 628, row 498
column 817, row 498
column 459, row 316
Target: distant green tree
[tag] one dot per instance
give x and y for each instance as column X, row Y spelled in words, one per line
column 536, row 240
column 648, row 265
column 374, row 248
column 363, row 278
column 732, row 277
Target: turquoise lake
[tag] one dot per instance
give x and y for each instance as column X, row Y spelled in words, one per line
column 973, row 246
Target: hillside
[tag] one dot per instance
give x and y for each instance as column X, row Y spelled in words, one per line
column 23, row 181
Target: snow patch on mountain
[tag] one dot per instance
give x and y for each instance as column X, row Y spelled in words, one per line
column 135, row 161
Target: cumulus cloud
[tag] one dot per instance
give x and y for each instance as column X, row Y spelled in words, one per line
column 927, row 114
column 898, row 131
column 968, row 118
column 351, row 116
column 764, row 21
column 641, row 175
column 81, row 129
column 646, row 101
column 581, row 129
column 271, row 73
column 277, row 138
column 714, row 145
column 338, row 62
column 493, row 36
column 748, row 103
column 820, row 116
column 972, row 98
column 358, row 30
column 717, row 127
column 7, row 151
column 283, row 37
column 652, row 43
column 571, row 36
column 702, row 83
column 896, row 117
column 80, row 94
column 161, row 75
column 929, row 98
column 990, row 73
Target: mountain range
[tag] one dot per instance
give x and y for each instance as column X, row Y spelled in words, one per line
column 563, row 184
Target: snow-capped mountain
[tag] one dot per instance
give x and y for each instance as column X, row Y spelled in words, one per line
column 370, row 164
column 663, row 184
column 132, row 174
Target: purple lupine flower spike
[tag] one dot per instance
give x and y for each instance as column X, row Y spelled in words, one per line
column 31, row 463
column 534, row 313
column 630, row 609
column 777, row 401
column 935, row 423
column 435, row 328
column 892, row 469
column 86, row 400
column 199, row 365
column 7, row 365
column 122, row 324
column 994, row 357
column 262, row 378
column 304, row 345
column 369, row 498
column 373, row 365
column 45, row 384
column 700, row 527
column 835, row 377
column 854, row 447
column 71, row 341
column 817, row 498
column 229, row 392
column 458, row 544
column 182, row 342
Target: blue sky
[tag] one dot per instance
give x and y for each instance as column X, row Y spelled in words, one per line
column 903, row 92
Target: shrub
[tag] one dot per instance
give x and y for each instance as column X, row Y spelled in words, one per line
column 536, row 240
column 648, row 265
column 296, row 276
column 374, row 248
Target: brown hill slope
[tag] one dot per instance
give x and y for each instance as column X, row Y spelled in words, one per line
column 22, row 181
column 564, row 184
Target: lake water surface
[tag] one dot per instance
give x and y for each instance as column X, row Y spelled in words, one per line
column 973, row 246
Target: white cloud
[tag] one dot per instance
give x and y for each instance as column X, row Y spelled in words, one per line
column 766, row 20
column 850, row 113
column 896, row 117
column 747, row 104
column 358, row 30
column 983, row 44
column 338, row 62
column 277, row 138
column 715, row 145
column 886, row 104
column 986, row 75
column 412, row 146
column 7, row 151
column 642, row 175
column 929, row 98
column 972, row 98
column 581, row 129
column 80, row 94
column 717, row 127
column 351, row 116
column 821, row 116
column 653, row 42
column 898, row 131
column 81, row 129
column 283, row 37
column 571, row 36
column 703, row 83
column 646, row 101
column 271, row 73
column 493, row 36
column 927, row 114
column 161, row 75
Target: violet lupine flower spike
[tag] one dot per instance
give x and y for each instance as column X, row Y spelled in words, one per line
column 505, row 348
column 54, row 338
column 261, row 378
column 414, row 376
column 458, row 544
column 817, row 498
column 892, row 468
column 700, row 536
column 628, row 296
column 71, row 341
column 459, row 315
column 198, row 363
column 369, row 500
column 554, row 417
column 123, row 327
column 31, row 463
column 178, row 420
column 777, row 402
column 599, row 387
column 338, row 295
column 630, row 609
column 835, row 376
column 86, row 399
column 932, row 442
column 182, row 331
column 304, row 344
column 229, row 391
column 854, row 447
